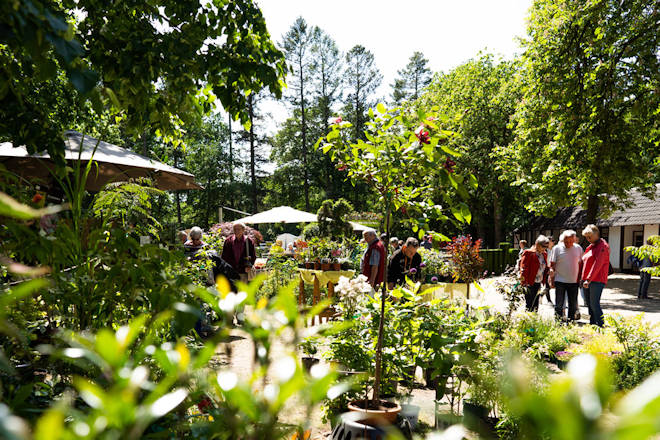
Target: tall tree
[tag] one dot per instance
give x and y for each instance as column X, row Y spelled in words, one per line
column 257, row 145
column 362, row 78
column 327, row 66
column 297, row 44
column 412, row 79
column 480, row 97
column 588, row 127
column 162, row 63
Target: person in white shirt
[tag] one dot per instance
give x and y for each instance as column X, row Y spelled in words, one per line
column 565, row 261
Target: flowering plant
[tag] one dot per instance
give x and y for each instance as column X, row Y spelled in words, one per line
column 467, row 265
column 351, row 292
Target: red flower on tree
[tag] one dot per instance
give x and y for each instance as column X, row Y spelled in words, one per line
column 423, row 135
column 449, row 165
column 37, row 198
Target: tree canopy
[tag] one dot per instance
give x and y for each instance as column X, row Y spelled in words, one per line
column 587, row 127
column 159, row 65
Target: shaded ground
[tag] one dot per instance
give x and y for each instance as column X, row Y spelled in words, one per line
column 619, row 296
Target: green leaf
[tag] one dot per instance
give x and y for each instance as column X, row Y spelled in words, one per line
column 11, row 208
column 50, row 425
column 465, row 212
column 450, row 151
column 381, row 108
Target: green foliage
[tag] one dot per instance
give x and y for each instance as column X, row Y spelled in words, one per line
column 641, row 353
column 127, row 205
column 43, row 40
column 412, row 79
column 332, row 220
column 650, row 251
column 587, row 127
column 480, row 97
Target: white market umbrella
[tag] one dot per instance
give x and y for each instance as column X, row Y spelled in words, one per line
column 115, row 164
column 281, row 214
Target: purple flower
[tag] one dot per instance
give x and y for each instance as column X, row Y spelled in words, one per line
column 422, row 265
column 434, row 279
column 413, row 270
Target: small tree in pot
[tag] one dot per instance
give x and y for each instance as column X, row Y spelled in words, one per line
column 405, row 159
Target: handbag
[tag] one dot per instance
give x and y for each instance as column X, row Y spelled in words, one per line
column 252, row 272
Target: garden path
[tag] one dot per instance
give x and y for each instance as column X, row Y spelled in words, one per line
column 619, row 296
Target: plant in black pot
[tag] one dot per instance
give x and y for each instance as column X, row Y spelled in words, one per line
column 309, row 347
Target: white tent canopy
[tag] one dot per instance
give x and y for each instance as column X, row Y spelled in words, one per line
column 115, row 164
column 287, row 214
column 281, row 214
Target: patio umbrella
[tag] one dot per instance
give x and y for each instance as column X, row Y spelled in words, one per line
column 281, row 214
column 115, row 164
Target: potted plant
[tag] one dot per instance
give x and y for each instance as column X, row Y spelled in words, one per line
column 466, row 264
column 413, row 146
column 309, row 347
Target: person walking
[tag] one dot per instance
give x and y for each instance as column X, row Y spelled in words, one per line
column 238, row 251
column 522, row 244
column 564, row 262
column 533, row 265
column 595, row 268
column 644, row 276
column 373, row 260
column 546, row 285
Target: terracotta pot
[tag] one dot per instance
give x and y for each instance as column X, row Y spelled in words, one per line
column 317, row 265
column 336, row 266
column 325, row 266
column 309, row 265
column 309, row 362
column 378, row 413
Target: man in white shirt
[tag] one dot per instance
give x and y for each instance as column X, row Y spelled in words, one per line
column 565, row 261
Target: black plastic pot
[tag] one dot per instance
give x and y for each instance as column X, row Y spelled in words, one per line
column 309, row 362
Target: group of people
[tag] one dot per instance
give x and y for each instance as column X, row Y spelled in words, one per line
column 567, row 268
column 403, row 262
column 238, row 253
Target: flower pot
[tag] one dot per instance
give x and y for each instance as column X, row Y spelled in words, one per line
column 411, row 412
column 317, row 265
column 309, row 362
column 350, row 428
column 325, row 266
column 475, row 411
column 375, row 413
column 309, row 265
column 336, row 266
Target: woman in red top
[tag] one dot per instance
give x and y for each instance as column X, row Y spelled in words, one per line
column 595, row 267
column 533, row 266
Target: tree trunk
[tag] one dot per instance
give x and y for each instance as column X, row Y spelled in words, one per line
column 303, row 129
column 207, row 211
column 231, row 155
column 177, row 193
column 497, row 219
column 592, row 209
column 253, row 175
column 381, row 323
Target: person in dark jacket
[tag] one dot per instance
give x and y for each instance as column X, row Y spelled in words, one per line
column 238, row 251
column 644, row 276
column 533, row 266
column 405, row 262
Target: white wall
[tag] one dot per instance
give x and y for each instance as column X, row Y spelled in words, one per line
column 615, row 246
column 650, row 230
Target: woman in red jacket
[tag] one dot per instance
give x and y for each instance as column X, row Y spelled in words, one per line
column 533, row 266
column 595, row 268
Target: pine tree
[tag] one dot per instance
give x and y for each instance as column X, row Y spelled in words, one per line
column 362, row 79
column 412, row 79
column 297, row 44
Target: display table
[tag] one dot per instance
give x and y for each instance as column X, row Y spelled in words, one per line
column 444, row 290
column 320, row 278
